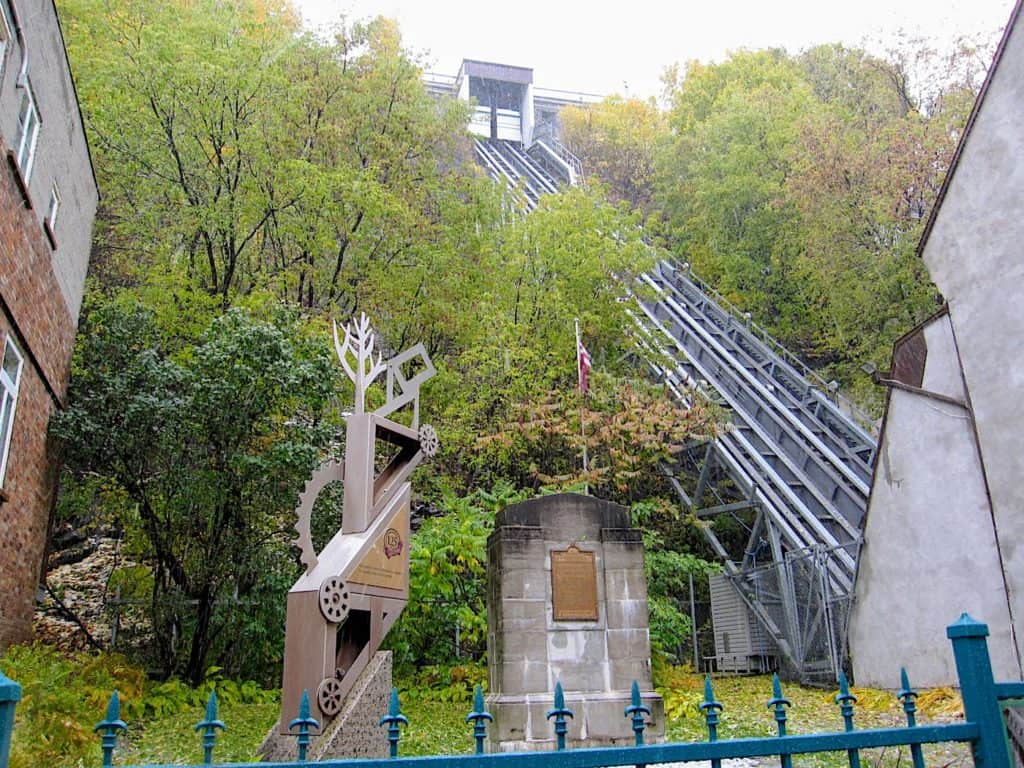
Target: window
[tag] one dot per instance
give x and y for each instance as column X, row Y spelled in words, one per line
column 51, row 212
column 10, row 376
column 28, row 129
column 5, row 35
column 50, row 222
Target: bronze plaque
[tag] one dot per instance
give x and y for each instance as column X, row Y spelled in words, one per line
column 387, row 563
column 573, row 585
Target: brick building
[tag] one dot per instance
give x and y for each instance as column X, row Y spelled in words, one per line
column 48, row 199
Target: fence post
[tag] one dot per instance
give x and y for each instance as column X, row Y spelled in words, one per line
column 977, row 687
column 10, row 695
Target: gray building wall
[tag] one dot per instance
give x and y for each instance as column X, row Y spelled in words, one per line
column 973, row 254
column 61, row 153
column 946, row 516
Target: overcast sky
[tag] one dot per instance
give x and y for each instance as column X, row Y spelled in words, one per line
column 624, row 47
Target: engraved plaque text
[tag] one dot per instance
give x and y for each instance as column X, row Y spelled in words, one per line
column 573, row 585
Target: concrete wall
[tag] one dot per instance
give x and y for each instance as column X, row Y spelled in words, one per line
column 929, row 549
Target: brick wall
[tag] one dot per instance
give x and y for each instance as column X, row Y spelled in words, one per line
column 33, row 309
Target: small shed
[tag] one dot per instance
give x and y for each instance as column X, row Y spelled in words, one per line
column 741, row 644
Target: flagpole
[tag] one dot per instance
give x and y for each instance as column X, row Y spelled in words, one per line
column 583, row 407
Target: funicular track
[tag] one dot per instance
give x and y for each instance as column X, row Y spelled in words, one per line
column 799, row 467
column 507, row 161
column 794, row 465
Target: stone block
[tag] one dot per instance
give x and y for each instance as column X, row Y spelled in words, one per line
column 627, row 614
column 520, row 614
column 625, row 584
column 629, row 644
column 625, row 671
column 619, row 556
column 523, row 677
column 523, row 645
column 524, row 584
column 577, row 676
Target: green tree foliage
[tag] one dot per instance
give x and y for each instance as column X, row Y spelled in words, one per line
column 250, row 156
column 798, row 186
column 563, row 261
column 446, row 616
column 210, row 446
column 617, row 141
column 630, row 428
column 720, row 179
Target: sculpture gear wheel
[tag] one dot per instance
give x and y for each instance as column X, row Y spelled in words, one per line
column 328, row 472
column 328, row 696
column 428, row 440
column 334, row 599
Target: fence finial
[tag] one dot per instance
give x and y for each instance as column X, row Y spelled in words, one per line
column 637, row 710
column 479, row 717
column 110, row 727
column 392, row 720
column 209, row 726
column 907, row 695
column 304, row 722
column 780, row 703
column 846, row 700
column 711, row 708
column 560, row 712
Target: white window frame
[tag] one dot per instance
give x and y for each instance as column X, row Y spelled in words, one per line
column 26, row 138
column 5, row 37
column 53, row 209
column 8, row 400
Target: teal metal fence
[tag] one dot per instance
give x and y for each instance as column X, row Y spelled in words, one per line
column 983, row 727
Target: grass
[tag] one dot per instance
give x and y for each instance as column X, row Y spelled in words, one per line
column 171, row 740
column 746, row 714
column 436, row 709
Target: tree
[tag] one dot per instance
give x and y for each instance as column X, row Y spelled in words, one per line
column 616, row 140
column 630, row 429
column 720, row 179
column 210, row 446
column 259, row 158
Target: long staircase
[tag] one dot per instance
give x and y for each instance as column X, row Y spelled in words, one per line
column 794, row 466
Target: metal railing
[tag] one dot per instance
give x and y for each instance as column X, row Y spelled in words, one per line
column 863, row 419
column 983, row 727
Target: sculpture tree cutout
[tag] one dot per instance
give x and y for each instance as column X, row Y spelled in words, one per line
column 353, row 591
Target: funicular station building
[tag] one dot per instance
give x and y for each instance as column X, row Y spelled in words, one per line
column 515, row 125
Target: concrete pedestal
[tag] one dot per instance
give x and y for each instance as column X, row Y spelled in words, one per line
column 355, row 732
column 532, row 646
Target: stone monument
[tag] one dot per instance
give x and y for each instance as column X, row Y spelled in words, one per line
column 567, row 602
column 353, row 591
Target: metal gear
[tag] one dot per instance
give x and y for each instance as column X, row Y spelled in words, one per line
column 328, row 696
column 334, row 599
column 428, row 440
column 330, row 471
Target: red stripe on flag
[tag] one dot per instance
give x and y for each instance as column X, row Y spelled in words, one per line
column 583, row 365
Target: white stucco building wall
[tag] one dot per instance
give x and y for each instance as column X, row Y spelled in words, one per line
column 945, row 524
